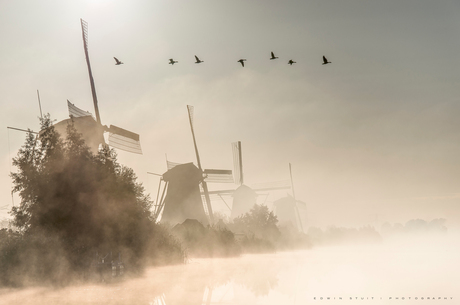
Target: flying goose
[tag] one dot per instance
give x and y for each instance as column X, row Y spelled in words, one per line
column 325, row 62
column 117, row 62
column 290, row 62
column 241, row 61
column 273, row 56
column 172, row 61
column 198, row 61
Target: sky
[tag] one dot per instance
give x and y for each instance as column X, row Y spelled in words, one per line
column 372, row 137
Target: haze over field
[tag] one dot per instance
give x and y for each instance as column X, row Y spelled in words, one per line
column 372, row 137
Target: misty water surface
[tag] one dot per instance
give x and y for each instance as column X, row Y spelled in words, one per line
column 415, row 268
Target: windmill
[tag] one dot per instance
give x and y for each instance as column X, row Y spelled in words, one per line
column 181, row 196
column 244, row 197
column 91, row 128
column 288, row 209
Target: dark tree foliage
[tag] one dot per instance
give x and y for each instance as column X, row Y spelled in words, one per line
column 86, row 203
column 210, row 241
column 259, row 222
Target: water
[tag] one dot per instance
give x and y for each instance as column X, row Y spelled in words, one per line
column 364, row 274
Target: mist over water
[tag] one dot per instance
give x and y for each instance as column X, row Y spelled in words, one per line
column 414, row 267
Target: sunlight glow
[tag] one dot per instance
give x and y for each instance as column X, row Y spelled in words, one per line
column 98, row 3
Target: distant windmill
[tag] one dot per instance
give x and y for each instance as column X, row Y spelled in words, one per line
column 289, row 210
column 244, row 197
column 183, row 199
column 92, row 129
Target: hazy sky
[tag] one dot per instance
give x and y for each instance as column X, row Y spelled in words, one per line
column 374, row 133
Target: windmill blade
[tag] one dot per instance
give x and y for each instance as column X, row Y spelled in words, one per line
column 203, row 183
column 172, row 164
column 190, row 115
column 84, row 30
column 218, row 176
column 206, row 201
column 222, row 192
column 274, row 185
column 77, row 112
column 237, row 162
column 125, row 140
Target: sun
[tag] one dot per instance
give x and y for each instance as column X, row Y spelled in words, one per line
column 98, row 3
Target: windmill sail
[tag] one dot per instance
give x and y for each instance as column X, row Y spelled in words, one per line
column 211, row 175
column 77, row 112
column 203, row 183
column 91, row 128
column 237, row 162
column 125, row 140
column 84, row 31
column 170, row 164
column 118, row 137
column 273, row 185
column 218, row 176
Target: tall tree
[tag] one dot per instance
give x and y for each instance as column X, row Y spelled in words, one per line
column 90, row 202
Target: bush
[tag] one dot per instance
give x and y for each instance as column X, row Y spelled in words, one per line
column 208, row 241
column 259, row 222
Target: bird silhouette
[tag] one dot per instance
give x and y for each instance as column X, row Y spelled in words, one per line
column 172, row 61
column 290, row 62
column 325, row 62
column 241, row 61
column 117, row 62
column 273, row 56
column 198, row 61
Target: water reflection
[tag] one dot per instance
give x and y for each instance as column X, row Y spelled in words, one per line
column 221, row 281
column 378, row 271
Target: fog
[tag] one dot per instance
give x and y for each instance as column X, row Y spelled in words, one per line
column 372, row 138
column 412, row 268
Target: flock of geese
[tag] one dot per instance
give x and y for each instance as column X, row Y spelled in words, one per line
column 241, row 61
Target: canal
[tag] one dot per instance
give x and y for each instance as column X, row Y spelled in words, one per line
column 409, row 271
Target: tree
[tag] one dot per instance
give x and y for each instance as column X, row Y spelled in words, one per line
column 260, row 222
column 87, row 203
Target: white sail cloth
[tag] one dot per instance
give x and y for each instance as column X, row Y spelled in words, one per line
column 118, row 137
